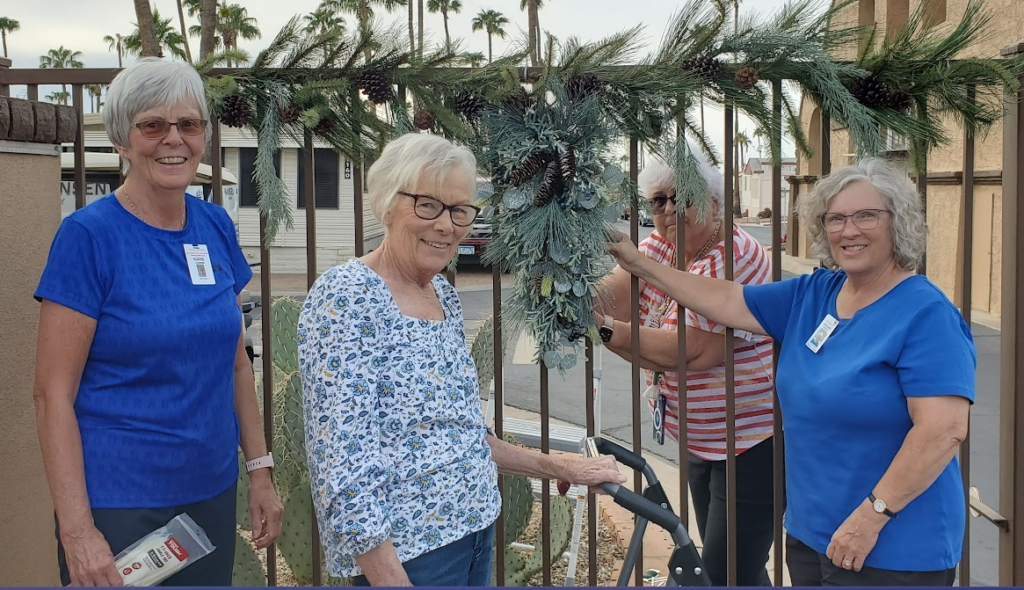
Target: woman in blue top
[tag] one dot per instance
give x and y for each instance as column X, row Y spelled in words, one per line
column 143, row 386
column 403, row 469
column 875, row 381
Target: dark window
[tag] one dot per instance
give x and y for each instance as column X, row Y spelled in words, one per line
column 367, row 162
column 248, row 195
column 325, row 178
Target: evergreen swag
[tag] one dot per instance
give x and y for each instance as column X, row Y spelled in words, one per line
column 545, row 145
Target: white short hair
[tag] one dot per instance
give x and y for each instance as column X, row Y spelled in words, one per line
column 415, row 160
column 658, row 175
column 908, row 228
column 150, row 83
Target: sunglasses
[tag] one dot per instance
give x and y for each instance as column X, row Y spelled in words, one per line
column 660, row 202
column 159, row 128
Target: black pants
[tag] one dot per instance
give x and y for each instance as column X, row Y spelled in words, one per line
column 754, row 510
column 216, row 516
column 807, row 567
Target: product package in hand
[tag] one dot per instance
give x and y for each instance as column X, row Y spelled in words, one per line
column 163, row 553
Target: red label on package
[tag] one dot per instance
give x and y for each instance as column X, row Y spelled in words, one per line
column 176, row 549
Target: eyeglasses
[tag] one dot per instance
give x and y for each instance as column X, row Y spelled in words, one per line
column 864, row 219
column 660, row 202
column 159, row 128
column 427, row 207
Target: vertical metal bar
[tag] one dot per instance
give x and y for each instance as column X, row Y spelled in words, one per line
column 32, row 91
column 634, row 302
column 545, row 491
column 793, row 229
column 965, row 277
column 682, row 412
column 778, row 456
column 357, row 206
column 311, row 274
column 499, row 407
column 79, row 100
column 922, row 188
column 730, row 366
column 215, row 162
column 268, row 371
column 589, row 400
column 1011, row 404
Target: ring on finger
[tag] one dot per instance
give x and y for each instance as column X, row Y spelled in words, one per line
column 847, row 563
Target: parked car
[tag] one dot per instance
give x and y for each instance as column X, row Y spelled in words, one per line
column 645, row 218
column 479, row 237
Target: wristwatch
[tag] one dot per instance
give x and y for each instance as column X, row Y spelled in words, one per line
column 259, row 463
column 878, row 505
column 605, row 331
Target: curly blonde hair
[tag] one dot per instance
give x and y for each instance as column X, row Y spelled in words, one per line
column 908, row 229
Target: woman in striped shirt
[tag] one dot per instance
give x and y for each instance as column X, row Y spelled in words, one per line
column 705, row 378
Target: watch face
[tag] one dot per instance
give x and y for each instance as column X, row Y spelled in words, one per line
column 605, row 333
column 879, row 506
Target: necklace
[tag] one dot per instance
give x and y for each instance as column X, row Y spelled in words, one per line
column 654, row 319
column 139, row 215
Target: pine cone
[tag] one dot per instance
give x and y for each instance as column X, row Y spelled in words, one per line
column 289, row 114
column 424, row 120
column 533, row 164
column 656, row 122
column 469, row 105
column 747, row 77
column 870, row 92
column 235, row 111
column 583, row 86
column 704, row 67
column 518, row 101
column 898, row 99
column 324, row 127
column 550, row 187
column 567, row 163
column 375, row 84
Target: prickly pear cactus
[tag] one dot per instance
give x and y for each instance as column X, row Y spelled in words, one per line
column 248, row 568
column 516, row 505
column 561, row 535
column 482, row 351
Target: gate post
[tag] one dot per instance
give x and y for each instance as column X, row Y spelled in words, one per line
column 1011, row 410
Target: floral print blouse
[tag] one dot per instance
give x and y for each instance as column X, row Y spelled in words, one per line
column 395, row 437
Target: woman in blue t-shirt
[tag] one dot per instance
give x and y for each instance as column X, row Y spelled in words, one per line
column 875, row 381
column 143, row 386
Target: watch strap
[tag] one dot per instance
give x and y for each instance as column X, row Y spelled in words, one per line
column 260, row 463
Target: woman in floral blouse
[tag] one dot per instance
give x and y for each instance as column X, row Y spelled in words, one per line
column 403, row 469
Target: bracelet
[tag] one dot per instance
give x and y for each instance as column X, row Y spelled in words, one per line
column 260, row 463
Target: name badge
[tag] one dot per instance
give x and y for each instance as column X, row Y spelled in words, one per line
column 658, row 423
column 198, row 258
column 821, row 334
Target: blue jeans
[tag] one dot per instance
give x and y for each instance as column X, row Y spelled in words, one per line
column 466, row 562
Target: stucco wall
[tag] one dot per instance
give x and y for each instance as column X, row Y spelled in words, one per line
column 29, row 199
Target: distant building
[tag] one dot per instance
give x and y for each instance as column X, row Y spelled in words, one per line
column 756, row 185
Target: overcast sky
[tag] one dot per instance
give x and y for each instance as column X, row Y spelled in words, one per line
column 81, row 25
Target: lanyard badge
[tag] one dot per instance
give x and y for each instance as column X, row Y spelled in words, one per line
column 821, row 334
column 198, row 258
column 659, row 419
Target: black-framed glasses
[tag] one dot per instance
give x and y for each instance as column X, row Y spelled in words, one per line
column 429, row 208
column 863, row 219
column 159, row 128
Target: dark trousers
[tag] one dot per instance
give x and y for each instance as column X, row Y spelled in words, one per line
column 465, row 562
column 216, row 516
column 807, row 567
column 754, row 510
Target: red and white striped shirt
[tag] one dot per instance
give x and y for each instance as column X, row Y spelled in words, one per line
column 705, row 390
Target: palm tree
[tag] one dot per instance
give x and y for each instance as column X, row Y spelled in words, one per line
column 363, row 9
column 492, row 22
column 60, row 59
column 740, row 144
column 96, row 92
column 60, row 96
column 323, row 20
column 206, row 30
column 473, row 59
column 145, row 18
column 167, row 37
column 234, row 21
column 412, row 29
column 444, row 7
column 184, row 31
column 532, row 8
column 7, row 25
column 115, row 42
